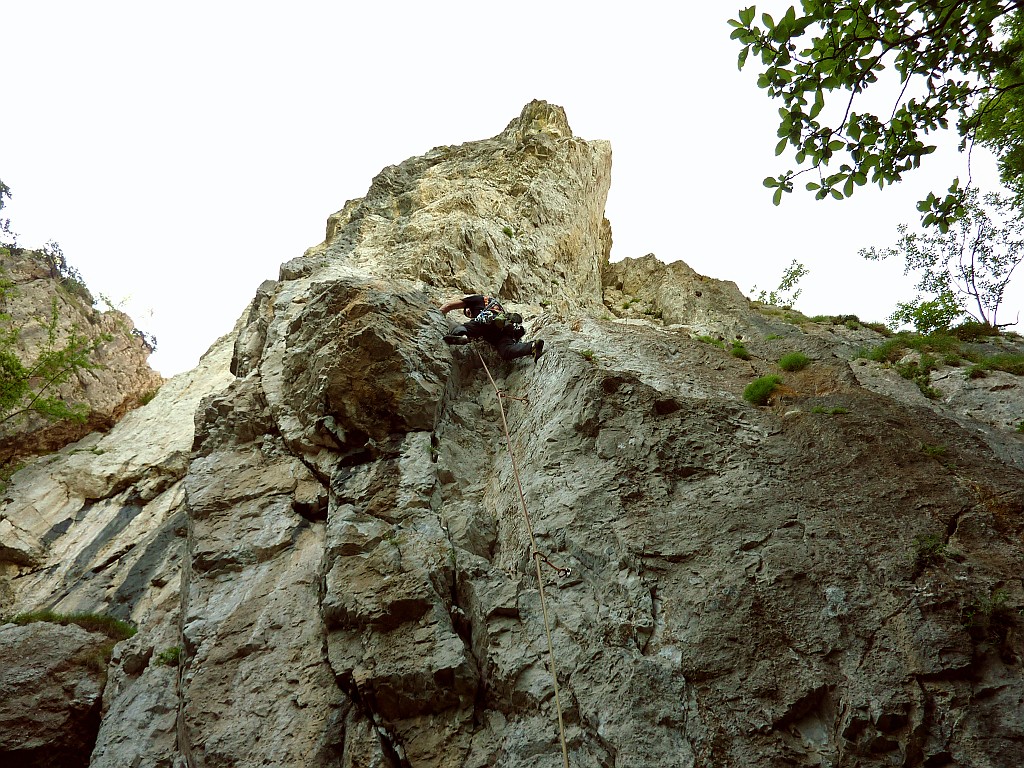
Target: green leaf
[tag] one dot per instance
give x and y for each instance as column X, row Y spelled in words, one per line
column 770, row 181
column 777, row 197
column 811, row 186
column 747, row 15
column 781, row 146
column 835, row 145
column 767, row 21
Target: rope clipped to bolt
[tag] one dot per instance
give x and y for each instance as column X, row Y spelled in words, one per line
column 538, row 557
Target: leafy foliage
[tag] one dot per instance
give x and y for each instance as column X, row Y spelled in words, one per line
column 66, row 275
column 999, row 121
column 949, row 60
column 787, row 293
column 964, row 270
column 28, row 385
column 8, row 239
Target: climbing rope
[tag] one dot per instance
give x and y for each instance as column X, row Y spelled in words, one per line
column 538, row 557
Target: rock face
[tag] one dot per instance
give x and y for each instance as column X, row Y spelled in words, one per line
column 334, row 567
column 121, row 376
column 51, row 684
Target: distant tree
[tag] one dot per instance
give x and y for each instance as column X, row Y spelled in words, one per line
column 787, row 293
column 8, row 239
column 953, row 60
column 29, row 382
column 963, row 271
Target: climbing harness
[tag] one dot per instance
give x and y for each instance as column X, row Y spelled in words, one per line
column 538, row 557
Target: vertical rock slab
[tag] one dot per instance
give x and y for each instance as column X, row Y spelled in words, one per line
column 51, row 686
column 255, row 686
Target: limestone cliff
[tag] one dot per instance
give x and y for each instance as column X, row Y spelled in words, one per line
column 119, row 376
column 330, row 566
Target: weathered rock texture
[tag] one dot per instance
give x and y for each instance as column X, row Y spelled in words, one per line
column 120, row 379
column 342, row 559
column 51, row 683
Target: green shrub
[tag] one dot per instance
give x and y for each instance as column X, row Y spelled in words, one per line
column 972, row 330
column 987, row 614
column 170, row 657
column 794, row 361
column 928, row 550
column 1020, row 427
column 588, row 355
column 759, row 390
column 895, row 347
column 508, row 231
column 712, row 340
column 1007, row 362
column 113, row 628
column 919, row 371
column 738, row 350
column 935, row 451
column 147, row 397
column 833, row 411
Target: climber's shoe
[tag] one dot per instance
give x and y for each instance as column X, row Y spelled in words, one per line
column 453, row 339
column 538, row 349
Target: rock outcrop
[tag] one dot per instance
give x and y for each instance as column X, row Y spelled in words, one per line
column 118, row 378
column 333, row 567
column 51, row 686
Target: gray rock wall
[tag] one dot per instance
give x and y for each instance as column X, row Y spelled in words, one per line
column 336, row 550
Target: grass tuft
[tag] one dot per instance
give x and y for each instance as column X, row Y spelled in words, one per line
column 169, row 657
column 113, row 628
column 759, row 390
column 794, row 361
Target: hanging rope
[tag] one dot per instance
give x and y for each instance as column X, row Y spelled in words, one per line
column 538, row 558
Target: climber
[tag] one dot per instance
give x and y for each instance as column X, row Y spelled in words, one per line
column 489, row 321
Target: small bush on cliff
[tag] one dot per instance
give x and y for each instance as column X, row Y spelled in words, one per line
column 113, row 628
column 987, row 616
column 28, row 383
column 794, row 361
column 928, row 550
column 759, row 390
column 1009, row 363
column 170, row 657
column 739, row 350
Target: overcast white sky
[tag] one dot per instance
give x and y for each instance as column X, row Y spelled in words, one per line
column 179, row 152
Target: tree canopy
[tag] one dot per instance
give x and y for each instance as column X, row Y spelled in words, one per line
column 953, row 60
